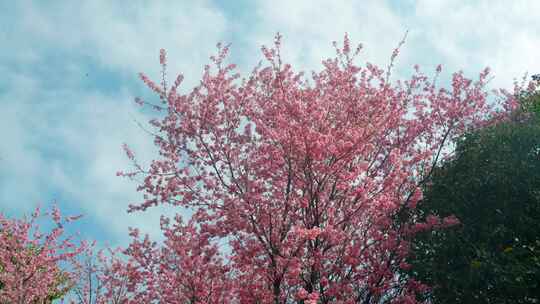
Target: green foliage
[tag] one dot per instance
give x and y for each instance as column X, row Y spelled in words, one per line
column 493, row 186
column 530, row 103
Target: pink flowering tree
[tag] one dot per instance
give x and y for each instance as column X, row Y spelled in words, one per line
column 34, row 265
column 100, row 278
column 185, row 269
column 302, row 190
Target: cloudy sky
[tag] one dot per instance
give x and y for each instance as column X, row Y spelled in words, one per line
column 68, row 77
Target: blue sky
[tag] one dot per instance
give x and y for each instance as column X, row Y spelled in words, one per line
column 69, row 76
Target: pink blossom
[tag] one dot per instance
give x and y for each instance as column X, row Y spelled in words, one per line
column 162, row 57
column 300, row 178
column 33, row 264
column 451, row 220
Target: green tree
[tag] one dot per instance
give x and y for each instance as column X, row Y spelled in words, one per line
column 492, row 185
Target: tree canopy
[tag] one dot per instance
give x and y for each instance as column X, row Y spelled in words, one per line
column 33, row 263
column 492, row 186
column 301, row 177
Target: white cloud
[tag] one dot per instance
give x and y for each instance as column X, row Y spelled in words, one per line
column 125, row 36
column 20, row 165
column 474, row 34
column 62, row 138
column 310, row 27
column 72, row 153
column 468, row 35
